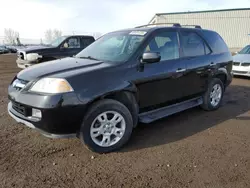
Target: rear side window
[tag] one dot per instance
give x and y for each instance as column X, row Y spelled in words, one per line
column 215, row 41
column 86, row 41
column 193, row 45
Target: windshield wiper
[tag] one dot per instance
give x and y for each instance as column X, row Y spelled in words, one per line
column 89, row 57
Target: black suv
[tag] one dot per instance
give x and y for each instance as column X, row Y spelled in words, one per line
column 64, row 46
column 125, row 77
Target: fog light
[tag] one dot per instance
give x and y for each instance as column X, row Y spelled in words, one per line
column 36, row 113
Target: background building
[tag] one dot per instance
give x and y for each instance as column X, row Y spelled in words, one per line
column 232, row 24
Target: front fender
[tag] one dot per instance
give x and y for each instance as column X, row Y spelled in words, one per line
column 87, row 95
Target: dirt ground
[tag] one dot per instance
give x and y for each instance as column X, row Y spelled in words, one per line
column 191, row 149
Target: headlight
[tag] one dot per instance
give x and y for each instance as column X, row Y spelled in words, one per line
column 33, row 56
column 52, row 85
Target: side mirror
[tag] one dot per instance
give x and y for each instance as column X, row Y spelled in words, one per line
column 151, row 57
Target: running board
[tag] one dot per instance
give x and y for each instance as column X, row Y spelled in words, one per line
column 154, row 115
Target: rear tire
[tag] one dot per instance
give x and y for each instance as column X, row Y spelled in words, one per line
column 213, row 97
column 107, row 126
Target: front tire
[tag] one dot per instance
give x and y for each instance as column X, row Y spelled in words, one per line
column 213, row 97
column 107, row 126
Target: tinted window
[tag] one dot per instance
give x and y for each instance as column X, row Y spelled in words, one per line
column 86, row 41
column 245, row 50
column 166, row 43
column 114, row 47
column 207, row 49
column 192, row 44
column 57, row 41
column 215, row 41
column 73, row 42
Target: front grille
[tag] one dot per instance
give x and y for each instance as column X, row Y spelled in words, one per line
column 236, row 63
column 21, row 109
column 245, row 64
column 240, row 72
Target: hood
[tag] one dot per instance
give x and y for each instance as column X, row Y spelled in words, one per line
column 36, row 48
column 241, row 58
column 60, row 68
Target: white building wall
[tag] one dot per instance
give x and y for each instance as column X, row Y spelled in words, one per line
column 233, row 25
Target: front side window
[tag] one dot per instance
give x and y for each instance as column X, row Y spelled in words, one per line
column 114, row 47
column 166, row 43
column 73, row 42
column 57, row 41
column 192, row 44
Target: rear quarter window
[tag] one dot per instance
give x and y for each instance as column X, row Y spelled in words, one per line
column 215, row 41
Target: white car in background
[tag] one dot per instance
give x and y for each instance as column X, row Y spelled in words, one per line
column 241, row 62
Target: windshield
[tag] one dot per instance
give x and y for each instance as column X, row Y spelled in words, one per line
column 245, row 50
column 114, row 47
column 57, row 41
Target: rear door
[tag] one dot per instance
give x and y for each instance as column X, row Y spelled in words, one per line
column 196, row 55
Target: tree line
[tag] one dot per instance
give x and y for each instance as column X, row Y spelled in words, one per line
column 13, row 37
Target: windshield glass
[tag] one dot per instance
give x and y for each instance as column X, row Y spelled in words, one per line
column 57, row 41
column 245, row 50
column 114, row 47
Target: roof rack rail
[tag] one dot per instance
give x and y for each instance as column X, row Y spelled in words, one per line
column 195, row 26
column 173, row 24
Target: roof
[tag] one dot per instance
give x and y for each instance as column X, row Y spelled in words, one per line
column 77, row 36
column 135, row 29
column 204, row 11
column 150, row 29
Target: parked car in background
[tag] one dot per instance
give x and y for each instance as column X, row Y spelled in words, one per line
column 135, row 75
column 8, row 49
column 4, row 50
column 12, row 49
column 241, row 64
column 65, row 46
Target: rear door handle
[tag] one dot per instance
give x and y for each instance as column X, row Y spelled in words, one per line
column 181, row 70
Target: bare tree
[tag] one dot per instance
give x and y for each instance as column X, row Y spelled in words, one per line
column 51, row 35
column 96, row 35
column 11, row 36
column 57, row 33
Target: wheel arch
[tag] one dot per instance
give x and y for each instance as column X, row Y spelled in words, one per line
column 127, row 96
column 222, row 74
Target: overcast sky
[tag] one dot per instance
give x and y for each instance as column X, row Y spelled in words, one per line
column 32, row 17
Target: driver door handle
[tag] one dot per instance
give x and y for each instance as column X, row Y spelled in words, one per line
column 181, row 70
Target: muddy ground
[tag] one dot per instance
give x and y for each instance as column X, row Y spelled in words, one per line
column 190, row 149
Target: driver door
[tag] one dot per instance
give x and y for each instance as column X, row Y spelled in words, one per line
column 162, row 82
column 71, row 46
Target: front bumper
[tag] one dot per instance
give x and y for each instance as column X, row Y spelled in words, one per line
column 62, row 115
column 241, row 71
column 24, row 63
column 30, row 125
